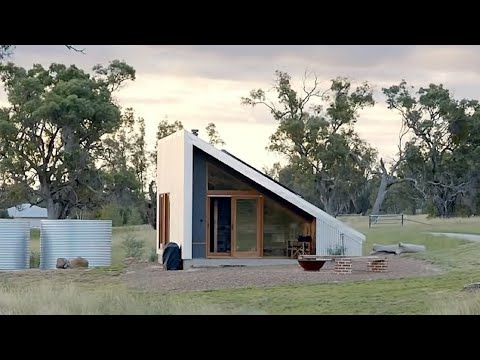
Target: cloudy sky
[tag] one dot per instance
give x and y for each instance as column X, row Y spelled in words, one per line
column 198, row 84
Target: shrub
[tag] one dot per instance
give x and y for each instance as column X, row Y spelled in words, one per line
column 133, row 247
column 153, row 256
column 337, row 250
column 34, row 260
column 4, row 214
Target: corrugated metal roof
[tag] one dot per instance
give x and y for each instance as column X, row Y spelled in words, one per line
column 27, row 211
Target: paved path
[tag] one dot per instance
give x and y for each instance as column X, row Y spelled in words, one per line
column 468, row 237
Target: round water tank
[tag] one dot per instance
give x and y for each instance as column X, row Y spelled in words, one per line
column 14, row 244
column 90, row 239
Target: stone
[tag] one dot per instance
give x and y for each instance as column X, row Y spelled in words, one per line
column 78, row 262
column 61, row 263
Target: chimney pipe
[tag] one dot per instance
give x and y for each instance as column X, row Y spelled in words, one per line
column 195, row 132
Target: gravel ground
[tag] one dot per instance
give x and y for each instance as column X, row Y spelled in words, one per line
column 152, row 276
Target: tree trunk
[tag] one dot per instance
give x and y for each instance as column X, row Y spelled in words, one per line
column 152, row 205
column 328, row 205
column 52, row 210
column 381, row 193
column 398, row 249
column 56, row 211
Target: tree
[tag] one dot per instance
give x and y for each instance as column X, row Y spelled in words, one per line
column 54, row 125
column 7, row 50
column 213, row 136
column 164, row 129
column 123, row 168
column 388, row 178
column 439, row 124
column 318, row 140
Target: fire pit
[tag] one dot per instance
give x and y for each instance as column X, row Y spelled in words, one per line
column 311, row 264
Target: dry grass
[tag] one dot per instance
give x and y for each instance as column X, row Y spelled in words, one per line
column 103, row 291
column 50, row 298
column 468, row 304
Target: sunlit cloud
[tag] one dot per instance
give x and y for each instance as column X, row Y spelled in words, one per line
column 199, row 84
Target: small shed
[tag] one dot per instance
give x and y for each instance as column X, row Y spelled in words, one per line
column 34, row 214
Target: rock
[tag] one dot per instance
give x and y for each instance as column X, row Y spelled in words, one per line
column 61, row 263
column 74, row 263
column 78, row 262
column 472, row 287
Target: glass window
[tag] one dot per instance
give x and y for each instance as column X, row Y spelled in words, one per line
column 220, row 180
column 280, row 225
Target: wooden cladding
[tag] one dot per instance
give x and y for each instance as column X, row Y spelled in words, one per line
column 163, row 219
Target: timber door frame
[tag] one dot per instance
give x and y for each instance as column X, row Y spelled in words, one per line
column 235, row 195
column 259, row 251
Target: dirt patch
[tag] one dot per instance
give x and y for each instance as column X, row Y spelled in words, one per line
column 149, row 276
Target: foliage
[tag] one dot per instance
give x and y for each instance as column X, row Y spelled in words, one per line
column 337, row 250
column 52, row 131
column 133, row 247
column 4, row 214
column 213, row 136
column 153, row 256
column 327, row 161
column 34, row 260
column 441, row 158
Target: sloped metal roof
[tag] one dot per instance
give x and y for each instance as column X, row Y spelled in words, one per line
column 27, row 211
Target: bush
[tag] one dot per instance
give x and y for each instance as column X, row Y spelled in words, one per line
column 133, row 247
column 121, row 216
column 337, row 250
column 112, row 212
column 133, row 217
column 34, row 260
column 4, row 214
column 153, row 256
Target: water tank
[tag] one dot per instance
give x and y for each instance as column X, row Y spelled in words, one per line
column 90, row 239
column 14, row 244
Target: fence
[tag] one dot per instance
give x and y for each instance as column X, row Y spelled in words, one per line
column 385, row 219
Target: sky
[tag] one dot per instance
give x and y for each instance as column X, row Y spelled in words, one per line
column 199, row 84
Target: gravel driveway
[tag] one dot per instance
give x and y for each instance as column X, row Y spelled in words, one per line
column 152, row 276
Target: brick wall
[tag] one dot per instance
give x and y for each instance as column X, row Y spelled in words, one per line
column 380, row 265
column 343, row 266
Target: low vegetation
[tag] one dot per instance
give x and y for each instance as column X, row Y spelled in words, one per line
column 467, row 304
column 100, row 291
column 49, row 298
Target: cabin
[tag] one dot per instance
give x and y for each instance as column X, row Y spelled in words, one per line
column 221, row 211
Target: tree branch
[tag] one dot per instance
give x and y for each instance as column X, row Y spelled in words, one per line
column 71, row 47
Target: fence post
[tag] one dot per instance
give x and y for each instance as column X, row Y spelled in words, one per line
column 402, row 219
column 369, row 220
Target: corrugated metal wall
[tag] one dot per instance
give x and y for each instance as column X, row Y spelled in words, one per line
column 330, row 237
column 14, row 244
column 90, row 239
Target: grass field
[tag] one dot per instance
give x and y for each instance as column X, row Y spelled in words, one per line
column 101, row 291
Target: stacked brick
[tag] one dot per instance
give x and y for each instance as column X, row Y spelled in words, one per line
column 378, row 265
column 343, row 266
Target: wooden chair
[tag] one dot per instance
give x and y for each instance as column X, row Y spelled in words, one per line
column 301, row 246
